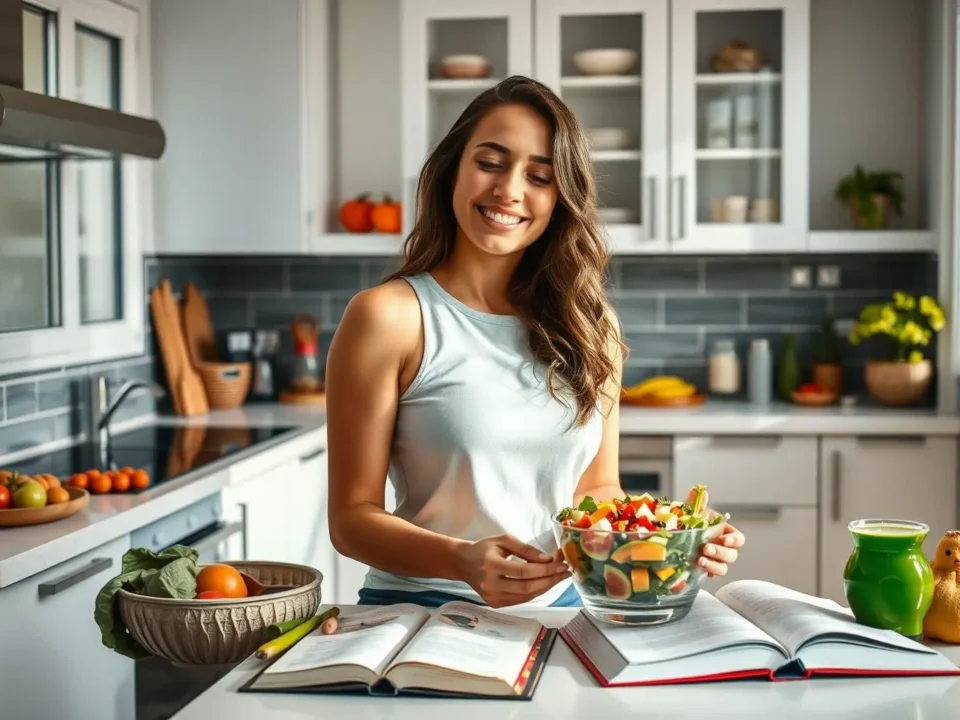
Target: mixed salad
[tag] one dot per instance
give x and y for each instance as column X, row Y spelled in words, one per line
column 635, row 548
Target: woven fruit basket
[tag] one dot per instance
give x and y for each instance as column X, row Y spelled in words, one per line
column 192, row 633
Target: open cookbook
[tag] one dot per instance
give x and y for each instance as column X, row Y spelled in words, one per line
column 458, row 650
column 749, row 628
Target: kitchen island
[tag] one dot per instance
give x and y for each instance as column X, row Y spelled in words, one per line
column 567, row 690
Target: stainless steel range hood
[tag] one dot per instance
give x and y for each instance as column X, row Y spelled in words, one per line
column 37, row 126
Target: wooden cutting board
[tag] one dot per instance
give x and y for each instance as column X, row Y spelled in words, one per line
column 186, row 386
column 197, row 327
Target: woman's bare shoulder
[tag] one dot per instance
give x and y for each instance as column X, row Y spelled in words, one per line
column 384, row 313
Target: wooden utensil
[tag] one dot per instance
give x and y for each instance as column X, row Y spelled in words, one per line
column 197, row 327
column 171, row 360
column 255, row 588
column 193, row 396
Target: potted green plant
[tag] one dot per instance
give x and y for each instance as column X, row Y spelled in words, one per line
column 827, row 369
column 906, row 325
column 870, row 195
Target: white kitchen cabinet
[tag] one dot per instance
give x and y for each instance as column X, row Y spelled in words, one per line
column 54, row 664
column 909, row 477
column 631, row 109
column 739, row 140
column 768, row 484
column 499, row 30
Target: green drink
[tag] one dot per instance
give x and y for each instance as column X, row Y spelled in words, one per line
column 888, row 580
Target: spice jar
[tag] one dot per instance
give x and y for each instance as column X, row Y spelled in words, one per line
column 306, row 366
column 724, row 368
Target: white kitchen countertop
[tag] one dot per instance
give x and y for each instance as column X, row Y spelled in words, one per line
column 567, row 690
column 25, row 551
column 717, row 417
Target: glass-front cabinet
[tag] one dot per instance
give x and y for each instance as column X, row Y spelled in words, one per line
column 606, row 60
column 739, row 125
column 71, row 273
column 451, row 51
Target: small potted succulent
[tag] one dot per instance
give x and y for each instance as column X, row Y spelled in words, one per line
column 870, row 196
column 906, row 325
column 827, row 369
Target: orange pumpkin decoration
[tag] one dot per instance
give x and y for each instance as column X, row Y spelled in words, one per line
column 356, row 215
column 387, row 216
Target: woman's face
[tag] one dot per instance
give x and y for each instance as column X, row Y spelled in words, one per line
column 505, row 190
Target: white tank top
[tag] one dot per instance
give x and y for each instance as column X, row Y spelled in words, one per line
column 480, row 446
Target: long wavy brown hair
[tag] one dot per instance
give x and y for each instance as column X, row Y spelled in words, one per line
column 558, row 287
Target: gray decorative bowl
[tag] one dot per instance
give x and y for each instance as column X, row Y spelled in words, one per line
column 221, row 632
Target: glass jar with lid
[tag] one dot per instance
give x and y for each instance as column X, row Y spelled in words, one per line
column 724, row 368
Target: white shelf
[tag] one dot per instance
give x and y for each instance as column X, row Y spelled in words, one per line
column 738, row 153
column 616, row 155
column 737, row 78
column 355, row 244
column 869, row 241
column 444, row 85
column 600, row 81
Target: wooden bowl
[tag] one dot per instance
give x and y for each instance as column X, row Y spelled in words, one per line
column 813, row 399
column 697, row 398
column 192, row 633
column 17, row 517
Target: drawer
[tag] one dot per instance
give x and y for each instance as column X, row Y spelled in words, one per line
column 781, row 548
column 748, row 469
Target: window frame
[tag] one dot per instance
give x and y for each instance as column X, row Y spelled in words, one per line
column 73, row 342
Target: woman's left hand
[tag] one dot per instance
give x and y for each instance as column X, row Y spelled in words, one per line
column 720, row 552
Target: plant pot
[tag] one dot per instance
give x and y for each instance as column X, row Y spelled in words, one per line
column 876, row 221
column 898, row 382
column 829, row 376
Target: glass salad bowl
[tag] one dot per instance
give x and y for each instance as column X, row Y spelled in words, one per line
column 634, row 561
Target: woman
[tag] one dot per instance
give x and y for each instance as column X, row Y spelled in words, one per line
column 484, row 374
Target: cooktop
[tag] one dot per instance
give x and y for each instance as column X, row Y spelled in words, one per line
column 165, row 452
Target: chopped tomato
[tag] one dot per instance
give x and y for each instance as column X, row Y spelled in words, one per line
column 583, row 522
column 647, row 523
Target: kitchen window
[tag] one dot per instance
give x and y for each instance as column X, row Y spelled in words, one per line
column 71, row 232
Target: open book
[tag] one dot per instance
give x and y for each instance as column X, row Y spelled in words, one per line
column 750, row 628
column 459, row 649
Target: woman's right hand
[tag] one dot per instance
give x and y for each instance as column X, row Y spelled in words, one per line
column 502, row 582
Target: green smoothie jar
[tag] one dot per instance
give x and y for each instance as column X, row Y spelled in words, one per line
column 887, row 580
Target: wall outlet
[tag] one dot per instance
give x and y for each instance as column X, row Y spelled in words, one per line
column 828, row 276
column 800, row 276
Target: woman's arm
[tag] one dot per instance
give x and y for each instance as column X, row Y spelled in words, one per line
column 601, row 479
column 374, row 347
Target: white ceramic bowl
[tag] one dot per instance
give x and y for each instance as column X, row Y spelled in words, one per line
column 464, row 66
column 613, row 215
column 605, row 61
column 610, row 139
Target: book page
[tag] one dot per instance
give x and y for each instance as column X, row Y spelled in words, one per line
column 474, row 640
column 709, row 626
column 796, row 619
column 369, row 636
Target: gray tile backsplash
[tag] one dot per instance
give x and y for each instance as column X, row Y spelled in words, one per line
column 672, row 308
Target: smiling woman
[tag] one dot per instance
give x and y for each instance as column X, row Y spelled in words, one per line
column 483, row 376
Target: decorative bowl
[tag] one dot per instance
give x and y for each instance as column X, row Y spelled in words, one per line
column 464, row 66
column 220, row 632
column 605, row 61
column 636, row 578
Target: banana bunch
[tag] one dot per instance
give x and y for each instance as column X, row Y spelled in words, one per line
column 662, row 386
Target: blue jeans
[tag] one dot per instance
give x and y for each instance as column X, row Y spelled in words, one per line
column 434, row 598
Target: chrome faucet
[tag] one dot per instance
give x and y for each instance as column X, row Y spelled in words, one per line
column 99, row 411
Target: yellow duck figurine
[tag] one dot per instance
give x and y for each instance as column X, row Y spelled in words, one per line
column 942, row 621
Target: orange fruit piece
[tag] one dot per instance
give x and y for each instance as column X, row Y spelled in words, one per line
column 139, row 479
column 40, row 479
column 52, row 481
column 57, row 495
column 126, row 470
column 92, row 473
column 224, row 578
column 100, row 484
column 121, row 482
column 79, row 480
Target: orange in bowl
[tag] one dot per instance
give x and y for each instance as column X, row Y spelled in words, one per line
column 221, row 578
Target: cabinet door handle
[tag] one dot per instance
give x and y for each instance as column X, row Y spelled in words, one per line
column 678, row 207
column 650, row 208
column 835, row 500
column 767, row 441
column 885, row 439
column 214, row 539
column 95, row 566
column 758, row 512
column 315, row 454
